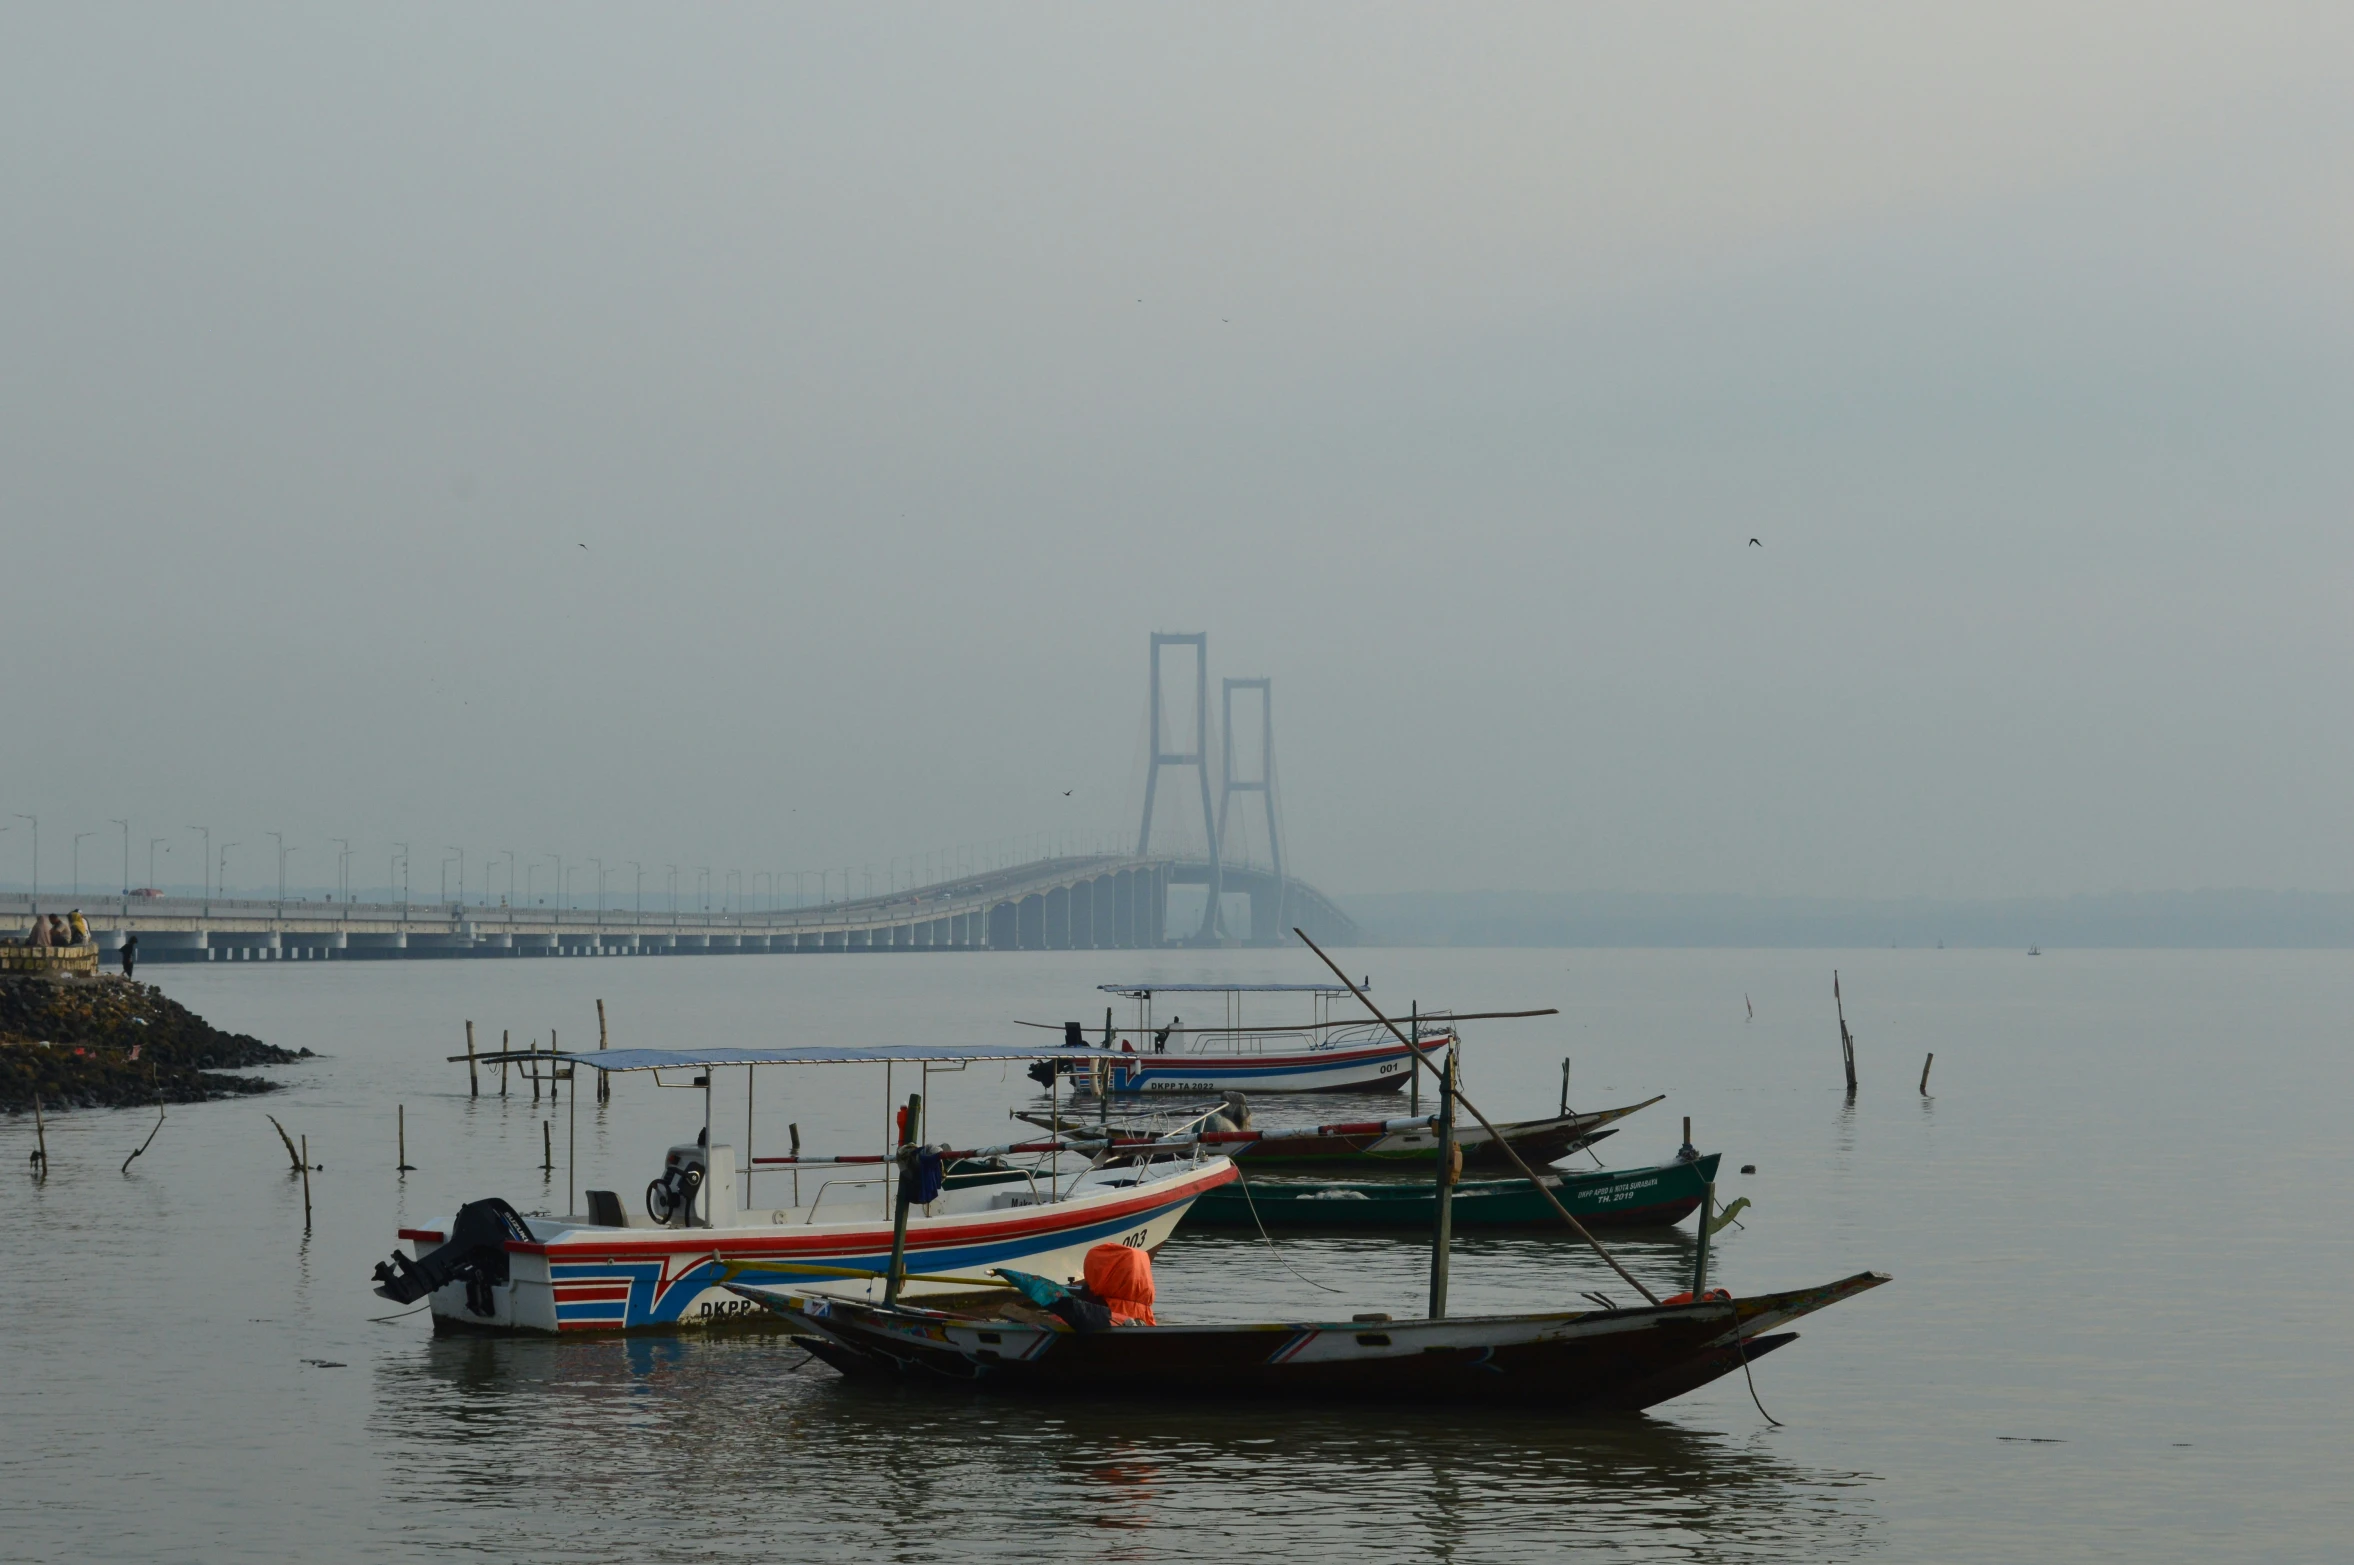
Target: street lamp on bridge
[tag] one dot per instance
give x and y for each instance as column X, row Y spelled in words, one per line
column 36, row 820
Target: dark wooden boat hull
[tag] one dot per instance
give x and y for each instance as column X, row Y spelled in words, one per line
column 1588, row 1361
column 1614, row 1198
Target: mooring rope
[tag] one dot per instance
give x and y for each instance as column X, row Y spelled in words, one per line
column 1752, row 1379
column 1243, row 1180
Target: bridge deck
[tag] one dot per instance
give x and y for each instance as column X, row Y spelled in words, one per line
column 1096, row 902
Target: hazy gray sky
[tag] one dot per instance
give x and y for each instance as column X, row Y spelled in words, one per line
column 901, row 368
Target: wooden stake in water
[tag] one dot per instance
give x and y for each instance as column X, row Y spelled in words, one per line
column 502, row 1062
column 401, row 1164
column 605, row 1078
column 1565, row 1088
column 1700, row 1254
column 1495, row 1136
column 306, row 1184
column 547, row 1147
column 473, row 1081
column 1925, row 1064
column 555, row 1074
column 1846, row 1038
column 40, row 1139
column 1414, row 1084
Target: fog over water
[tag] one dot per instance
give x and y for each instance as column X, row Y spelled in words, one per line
column 763, row 438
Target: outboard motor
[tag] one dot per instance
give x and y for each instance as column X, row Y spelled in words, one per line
column 670, row 1199
column 475, row 1253
column 1234, row 1115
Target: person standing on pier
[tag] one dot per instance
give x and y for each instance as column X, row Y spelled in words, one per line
column 130, row 954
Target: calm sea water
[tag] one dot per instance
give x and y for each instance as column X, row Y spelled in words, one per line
column 2116, row 1331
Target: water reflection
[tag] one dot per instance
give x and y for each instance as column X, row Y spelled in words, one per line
column 649, row 1442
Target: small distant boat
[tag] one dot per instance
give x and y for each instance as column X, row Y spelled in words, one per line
column 1584, row 1361
column 1616, row 1198
column 1317, row 1056
column 2035, row 950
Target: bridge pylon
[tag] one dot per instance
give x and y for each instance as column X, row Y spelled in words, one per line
column 1198, row 758
column 1264, row 920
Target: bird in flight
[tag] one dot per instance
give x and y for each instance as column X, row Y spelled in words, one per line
column 1754, row 544
column 1066, row 793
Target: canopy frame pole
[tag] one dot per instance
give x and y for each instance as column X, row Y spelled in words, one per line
column 750, row 1072
column 898, row 1272
column 706, row 1146
column 1443, row 1226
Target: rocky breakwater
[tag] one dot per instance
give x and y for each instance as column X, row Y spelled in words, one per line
column 106, row 1042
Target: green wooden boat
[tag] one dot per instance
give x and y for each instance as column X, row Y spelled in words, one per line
column 1610, row 1198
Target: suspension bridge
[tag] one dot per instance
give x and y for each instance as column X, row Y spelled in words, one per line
column 1067, row 901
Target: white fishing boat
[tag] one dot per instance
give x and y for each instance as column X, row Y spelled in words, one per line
column 660, row 1267
column 1319, row 1055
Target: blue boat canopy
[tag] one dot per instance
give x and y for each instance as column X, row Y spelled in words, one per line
column 1141, row 991
column 704, row 1059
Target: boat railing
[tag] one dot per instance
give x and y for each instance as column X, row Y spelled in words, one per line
column 1279, row 1040
column 1298, row 1040
column 828, row 1185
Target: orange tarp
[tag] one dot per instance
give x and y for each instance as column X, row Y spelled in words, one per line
column 1122, row 1278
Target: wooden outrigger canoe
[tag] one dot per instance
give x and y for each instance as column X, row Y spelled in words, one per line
column 1406, row 1143
column 1613, row 1198
column 1585, row 1361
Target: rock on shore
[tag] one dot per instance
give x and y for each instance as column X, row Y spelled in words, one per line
column 107, row 1042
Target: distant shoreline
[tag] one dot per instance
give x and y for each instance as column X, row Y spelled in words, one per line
column 2162, row 920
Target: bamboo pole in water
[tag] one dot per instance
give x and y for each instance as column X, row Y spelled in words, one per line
column 306, row 1184
column 40, row 1138
column 547, row 1147
column 473, row 1081
column 1846, row 1038
column 401, row 1164
column 1442, row 1233
column 1700, row 1255
column 1495, row 1135
column 503, row 1062
column 1925, row 1064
